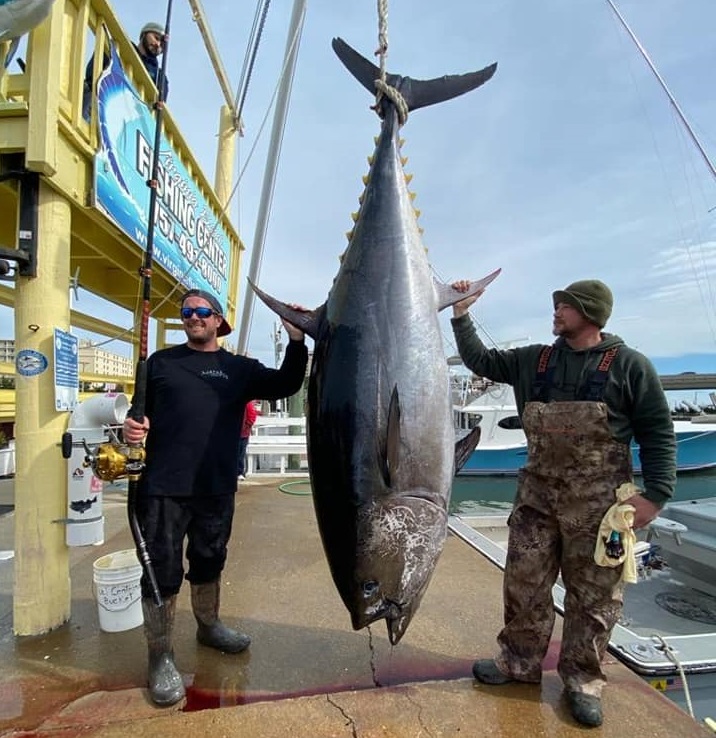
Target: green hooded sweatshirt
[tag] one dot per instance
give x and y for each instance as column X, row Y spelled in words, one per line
column 636, row 404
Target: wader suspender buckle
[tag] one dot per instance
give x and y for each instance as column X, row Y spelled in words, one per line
column 593, row 390
column 543, row 378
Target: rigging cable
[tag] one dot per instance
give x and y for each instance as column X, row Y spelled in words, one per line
column 695, row 140
column 269, row 182
column 661, row 81
column 250, row 60
column 672, row 198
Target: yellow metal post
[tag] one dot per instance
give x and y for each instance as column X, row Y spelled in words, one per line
column 225, row 155
column 223, row 184
column 42, row 583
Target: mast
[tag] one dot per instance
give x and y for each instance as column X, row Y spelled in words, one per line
column 223, row 78
column 661, row 81
column 279, row 123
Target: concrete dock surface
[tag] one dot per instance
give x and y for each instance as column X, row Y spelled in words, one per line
column 307, row 673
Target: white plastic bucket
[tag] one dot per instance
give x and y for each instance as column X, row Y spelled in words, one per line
column 117, row 591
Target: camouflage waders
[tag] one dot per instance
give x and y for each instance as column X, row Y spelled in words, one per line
column 573, row 469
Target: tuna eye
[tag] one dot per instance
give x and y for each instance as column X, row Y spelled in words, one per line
column 370, row 589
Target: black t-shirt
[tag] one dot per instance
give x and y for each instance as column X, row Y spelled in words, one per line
column 195, row 404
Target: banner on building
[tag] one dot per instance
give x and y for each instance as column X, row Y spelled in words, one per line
column 189, row 240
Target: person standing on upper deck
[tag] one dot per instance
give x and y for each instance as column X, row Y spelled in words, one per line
column 149, row 47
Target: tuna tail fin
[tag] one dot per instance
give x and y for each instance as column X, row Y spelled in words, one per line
column 417, row 93
column 447, row 296
column 307, row 320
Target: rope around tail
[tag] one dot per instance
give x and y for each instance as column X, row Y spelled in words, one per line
column 381, row 84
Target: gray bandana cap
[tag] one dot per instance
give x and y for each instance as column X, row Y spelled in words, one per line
column 224, row 328
column 591, row 297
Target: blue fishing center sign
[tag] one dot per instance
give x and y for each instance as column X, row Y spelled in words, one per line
column 189, row 240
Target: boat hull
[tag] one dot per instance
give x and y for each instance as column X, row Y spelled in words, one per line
column 695, row 451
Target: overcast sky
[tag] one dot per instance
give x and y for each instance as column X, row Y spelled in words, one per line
column 568, row 164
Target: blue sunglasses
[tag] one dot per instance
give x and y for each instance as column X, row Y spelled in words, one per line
column 201, row 312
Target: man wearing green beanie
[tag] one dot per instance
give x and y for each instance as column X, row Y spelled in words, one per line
column 581, row 401
column 590, row 297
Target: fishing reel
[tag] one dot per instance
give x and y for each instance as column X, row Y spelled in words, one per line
column 109, row 461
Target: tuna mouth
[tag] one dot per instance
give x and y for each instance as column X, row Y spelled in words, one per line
column 386, row 609
column 397, row 626
column 397, row 618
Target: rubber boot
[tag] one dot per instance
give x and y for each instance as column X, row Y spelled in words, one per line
column 487, row 672
column 211, row 631
column 586, row 709
column 165, row 683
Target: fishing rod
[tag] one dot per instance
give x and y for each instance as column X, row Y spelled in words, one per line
column 136, row 454
column 112, row 461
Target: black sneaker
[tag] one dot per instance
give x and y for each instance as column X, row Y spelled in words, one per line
column 586, row 709
column 487, row 672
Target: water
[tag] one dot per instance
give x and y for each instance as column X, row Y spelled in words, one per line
column 472, row 494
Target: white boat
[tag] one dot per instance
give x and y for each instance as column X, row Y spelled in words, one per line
column 502, row 449
column 667, row 633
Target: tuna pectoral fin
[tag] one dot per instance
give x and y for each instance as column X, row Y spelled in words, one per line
column 448, row 296
column 465, row 446
column 392, row 439
column 306, row 320
column 417, row 93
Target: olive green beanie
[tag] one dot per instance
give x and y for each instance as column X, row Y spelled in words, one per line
column 591, row 297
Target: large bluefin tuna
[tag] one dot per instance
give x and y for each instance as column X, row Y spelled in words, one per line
column 381, row 442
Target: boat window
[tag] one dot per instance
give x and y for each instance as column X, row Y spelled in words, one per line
column 512, row 422
column 473, row 420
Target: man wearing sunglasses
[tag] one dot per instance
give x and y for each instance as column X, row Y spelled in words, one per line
column 196, row 395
